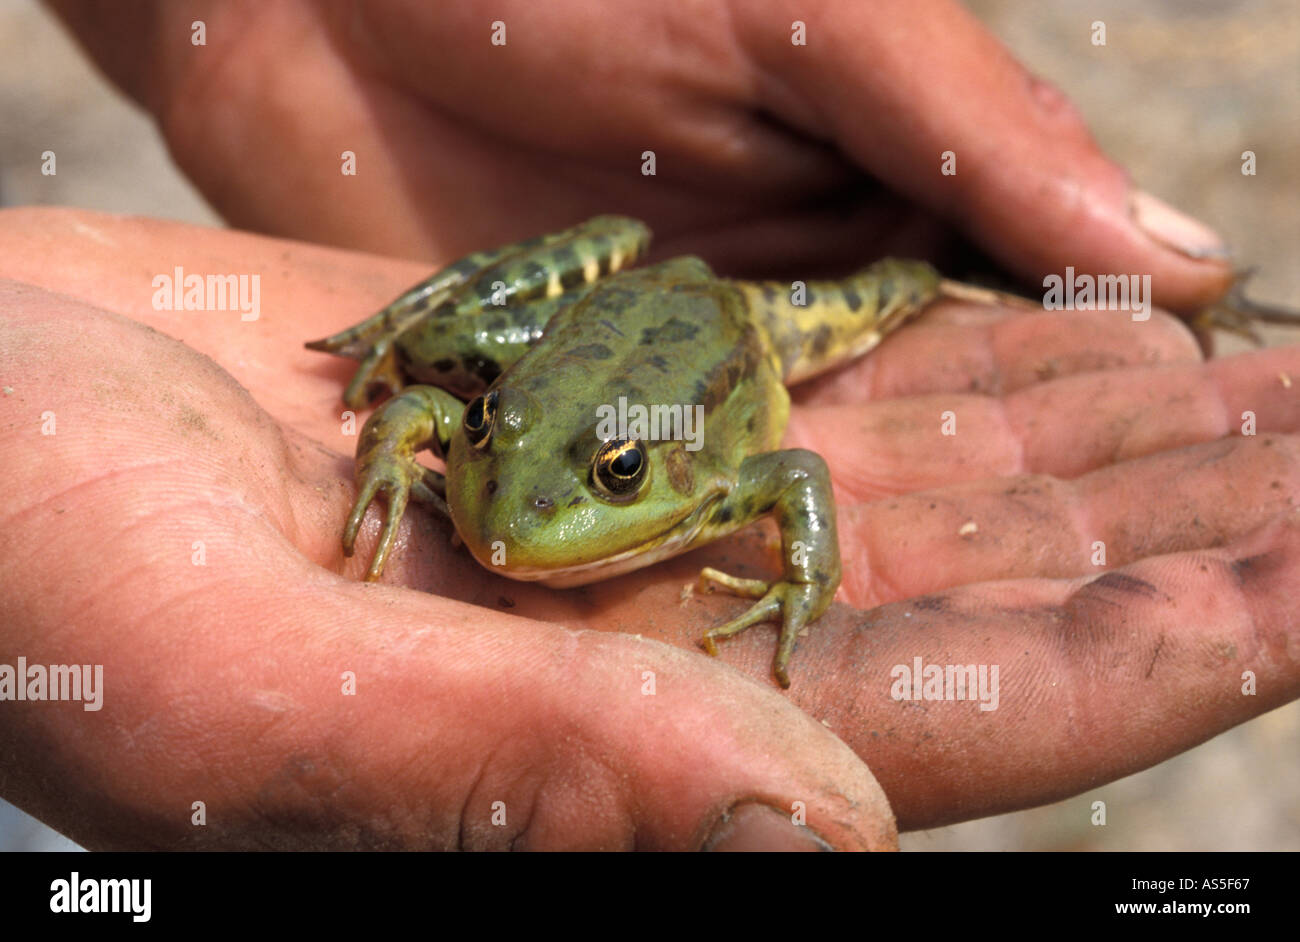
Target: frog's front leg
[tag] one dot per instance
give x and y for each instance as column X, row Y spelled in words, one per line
column 796, row 486
column 420, row 417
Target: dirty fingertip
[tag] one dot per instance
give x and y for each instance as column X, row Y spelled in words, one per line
column 754, row 827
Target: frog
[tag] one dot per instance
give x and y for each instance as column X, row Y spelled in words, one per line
column 506, row 364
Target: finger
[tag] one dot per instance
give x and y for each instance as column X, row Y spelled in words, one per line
column 126, row 43
column 1063, row 427
column 961, row 347
column 929, row 542
column 1037, row 525
column 1099, row 678
column 246, row 84
column 527, row 144
column 900, row 83
column 287, row 293
column 245, row 661
column 307, row 290
column 668, row 77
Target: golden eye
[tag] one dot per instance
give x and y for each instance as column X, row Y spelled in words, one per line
column 619, row 469
column 480, row 417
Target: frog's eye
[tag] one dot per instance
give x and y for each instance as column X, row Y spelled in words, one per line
column 480, row 416
column 619, row 469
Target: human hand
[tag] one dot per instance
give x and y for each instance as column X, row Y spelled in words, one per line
column 160, row 523
column 223, row 679
column 771, row 158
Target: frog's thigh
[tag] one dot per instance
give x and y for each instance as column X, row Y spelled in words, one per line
column 556, row 263
column 544, row 268
column 467, row 351
column 429, row 297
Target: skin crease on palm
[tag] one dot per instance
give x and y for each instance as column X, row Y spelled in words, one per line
column 1073, row 427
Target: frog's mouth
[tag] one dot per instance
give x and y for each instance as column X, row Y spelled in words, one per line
column 669, row 543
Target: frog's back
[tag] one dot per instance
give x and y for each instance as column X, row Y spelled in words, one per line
column 671, row 333
column 668, row 334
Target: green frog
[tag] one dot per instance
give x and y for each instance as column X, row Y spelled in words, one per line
column 509, row 364
column 535, row 372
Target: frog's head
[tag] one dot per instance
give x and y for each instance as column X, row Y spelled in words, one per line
column 542, row 497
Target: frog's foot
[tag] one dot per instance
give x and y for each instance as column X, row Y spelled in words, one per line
column 547, row 268
column 379, row 368
column 378, row 361
column 398, row 478
column 373, row 341
column 1238, row 314
column 796, row 604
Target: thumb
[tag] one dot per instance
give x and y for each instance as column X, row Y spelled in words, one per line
column 312, row 711
column 898, row 83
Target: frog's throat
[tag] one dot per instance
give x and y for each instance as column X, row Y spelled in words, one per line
column 670, row 543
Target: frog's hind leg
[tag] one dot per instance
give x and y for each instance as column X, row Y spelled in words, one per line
column 1238, row 314
column 373, row 340
column 543, row 268
column 551, row 265
column 818, row 325
column 414, row 303
column 378, row 368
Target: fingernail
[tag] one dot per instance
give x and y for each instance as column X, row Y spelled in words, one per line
column 750, row 826
column 1173, row 229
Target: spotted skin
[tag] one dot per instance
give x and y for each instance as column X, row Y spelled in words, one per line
column 528, row 466
column 412, row 332
column 839, row 321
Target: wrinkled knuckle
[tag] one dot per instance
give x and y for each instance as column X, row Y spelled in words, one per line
column 1054, row 108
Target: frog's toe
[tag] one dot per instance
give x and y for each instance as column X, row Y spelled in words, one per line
column 1228, row 319
column 795, row 604
column 396, row 507
column 1237, row 314
column 765, row 610
column 364, row 498
column 800, row 604
column 393, row 479
column 711, row 578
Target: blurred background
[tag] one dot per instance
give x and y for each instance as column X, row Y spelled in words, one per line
column 1179, row 91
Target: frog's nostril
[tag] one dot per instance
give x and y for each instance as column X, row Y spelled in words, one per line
column 544, row 505
column 490, row 487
